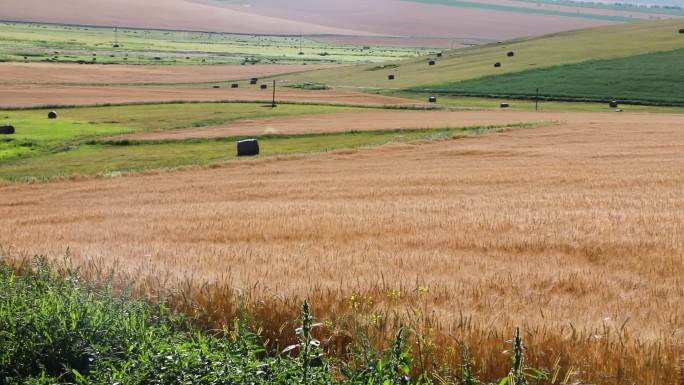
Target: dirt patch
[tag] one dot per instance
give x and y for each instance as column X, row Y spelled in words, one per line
column 19, row 96
column 294, row 17
column 174, row 14
column 412, row 19
column 391, row 120
column 31, row 73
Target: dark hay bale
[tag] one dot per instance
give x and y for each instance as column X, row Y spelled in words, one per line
column 510, row 54
column 52, row 115
column 216, row 86
column 264, row 86
column 613, row 104
column 505, row 105
column 432, row 62
column 681, row 30
column 248, row 147
column 497, row 65
column 432, row 99
column 234, row 85
column 390, row 77
column 6, row 130
column 440, row 54
column 253, row 81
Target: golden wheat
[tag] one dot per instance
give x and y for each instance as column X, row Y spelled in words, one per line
column 573, row 232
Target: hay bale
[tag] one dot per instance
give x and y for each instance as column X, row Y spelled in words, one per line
column 505, row 105
column 681, row 30
column 248, row 147
column 52, row 115
column 432, row 99
column 234, row 85
column 216, row 86
column 432, row 62
column 510, row 54
column 613, row 104
column 440, row 54
column 253, row 80
column 390, row 77
column 497, row 65
column 7, row 130
column 264, row 86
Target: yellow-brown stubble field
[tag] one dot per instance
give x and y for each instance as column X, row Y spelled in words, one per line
column 572, row 231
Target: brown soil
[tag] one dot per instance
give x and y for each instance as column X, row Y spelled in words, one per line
column 294, row 17
column 410, row 19
column 389, row 120
column 173, row 14
column 31, row 73
column 18, row 96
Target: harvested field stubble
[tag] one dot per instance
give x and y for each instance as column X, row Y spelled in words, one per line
column 21, row 96
column 573, row 232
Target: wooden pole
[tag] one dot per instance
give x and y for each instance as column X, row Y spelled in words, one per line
column 536, row 101
column 273, row 105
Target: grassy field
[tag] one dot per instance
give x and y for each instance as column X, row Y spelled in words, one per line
column 71, row 44
column 548, row 51
column 647, row 79
column 61, row 327
column 76, row 143
column 37, row 135
column 117, row 157
column 466, row 103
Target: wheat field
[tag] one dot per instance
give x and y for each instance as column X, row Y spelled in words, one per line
column 574, row 232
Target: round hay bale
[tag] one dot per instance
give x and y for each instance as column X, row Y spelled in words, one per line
column 432, row 99
column 390, row 77
column 248, row 147
column 440, row 54
column 52, row 115
column 234, row 85
column 681, row 30
column 264, row 86
column 432, row 62
column 510, row 54
column 253, row 81
column 216, row 86
column 497, row 65
column 7, row 130
column 505, row 105
column 613, row 104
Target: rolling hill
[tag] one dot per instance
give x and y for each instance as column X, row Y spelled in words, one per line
column 434, row 23
column 604, row 43
column 654, row 78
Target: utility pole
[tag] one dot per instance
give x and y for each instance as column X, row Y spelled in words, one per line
column 273, row 105
column 536, row 101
